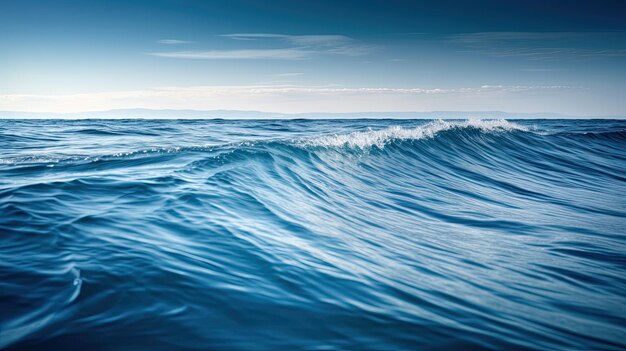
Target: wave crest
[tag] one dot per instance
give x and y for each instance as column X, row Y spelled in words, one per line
column 359, row 140
column 380, row 138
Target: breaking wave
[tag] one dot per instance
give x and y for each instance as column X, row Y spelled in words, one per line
column 379, row 138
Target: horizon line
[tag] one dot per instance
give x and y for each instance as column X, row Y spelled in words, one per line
column 266, row 115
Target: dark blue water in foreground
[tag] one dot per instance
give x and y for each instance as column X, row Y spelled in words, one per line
column 369, row 234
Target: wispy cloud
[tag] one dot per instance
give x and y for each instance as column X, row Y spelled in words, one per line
column 278, row 54
column 174, row 41
column 540, row 69
column 543, row 45
column 290, row 98
column 300, row 40
column 289, row 74
column 283, row 47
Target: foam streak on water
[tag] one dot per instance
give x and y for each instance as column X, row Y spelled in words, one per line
column 360, row 234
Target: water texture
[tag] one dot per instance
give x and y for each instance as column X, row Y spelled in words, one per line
column 359, row 234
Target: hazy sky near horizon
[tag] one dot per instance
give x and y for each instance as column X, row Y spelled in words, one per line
column 314, row 56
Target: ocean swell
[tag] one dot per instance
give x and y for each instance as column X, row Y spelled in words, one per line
column 366, row 234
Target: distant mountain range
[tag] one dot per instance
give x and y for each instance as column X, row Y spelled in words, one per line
column 235, row 114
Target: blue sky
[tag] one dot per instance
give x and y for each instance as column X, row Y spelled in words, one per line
column 316, row 56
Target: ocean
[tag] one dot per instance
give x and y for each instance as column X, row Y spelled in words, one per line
column 312, row 234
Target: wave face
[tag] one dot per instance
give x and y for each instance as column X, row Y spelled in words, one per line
column 362, row 234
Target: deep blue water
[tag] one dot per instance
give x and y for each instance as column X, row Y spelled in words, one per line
column 366, row 234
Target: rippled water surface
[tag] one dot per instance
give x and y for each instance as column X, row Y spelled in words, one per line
column 366, row 234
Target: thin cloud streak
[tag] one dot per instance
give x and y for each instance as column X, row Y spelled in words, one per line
column 288, row 47
column 251, row 54
column 289, row 74
column 543, row 45
column 301, row 40
column 174, row 41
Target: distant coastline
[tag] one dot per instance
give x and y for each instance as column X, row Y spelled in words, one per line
column 241, row 114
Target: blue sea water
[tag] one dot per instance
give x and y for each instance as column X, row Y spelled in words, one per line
column 312, row 234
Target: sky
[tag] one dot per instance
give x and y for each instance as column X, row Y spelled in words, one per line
column 560, row 56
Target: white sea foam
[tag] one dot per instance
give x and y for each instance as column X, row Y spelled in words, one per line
column 379, row 138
